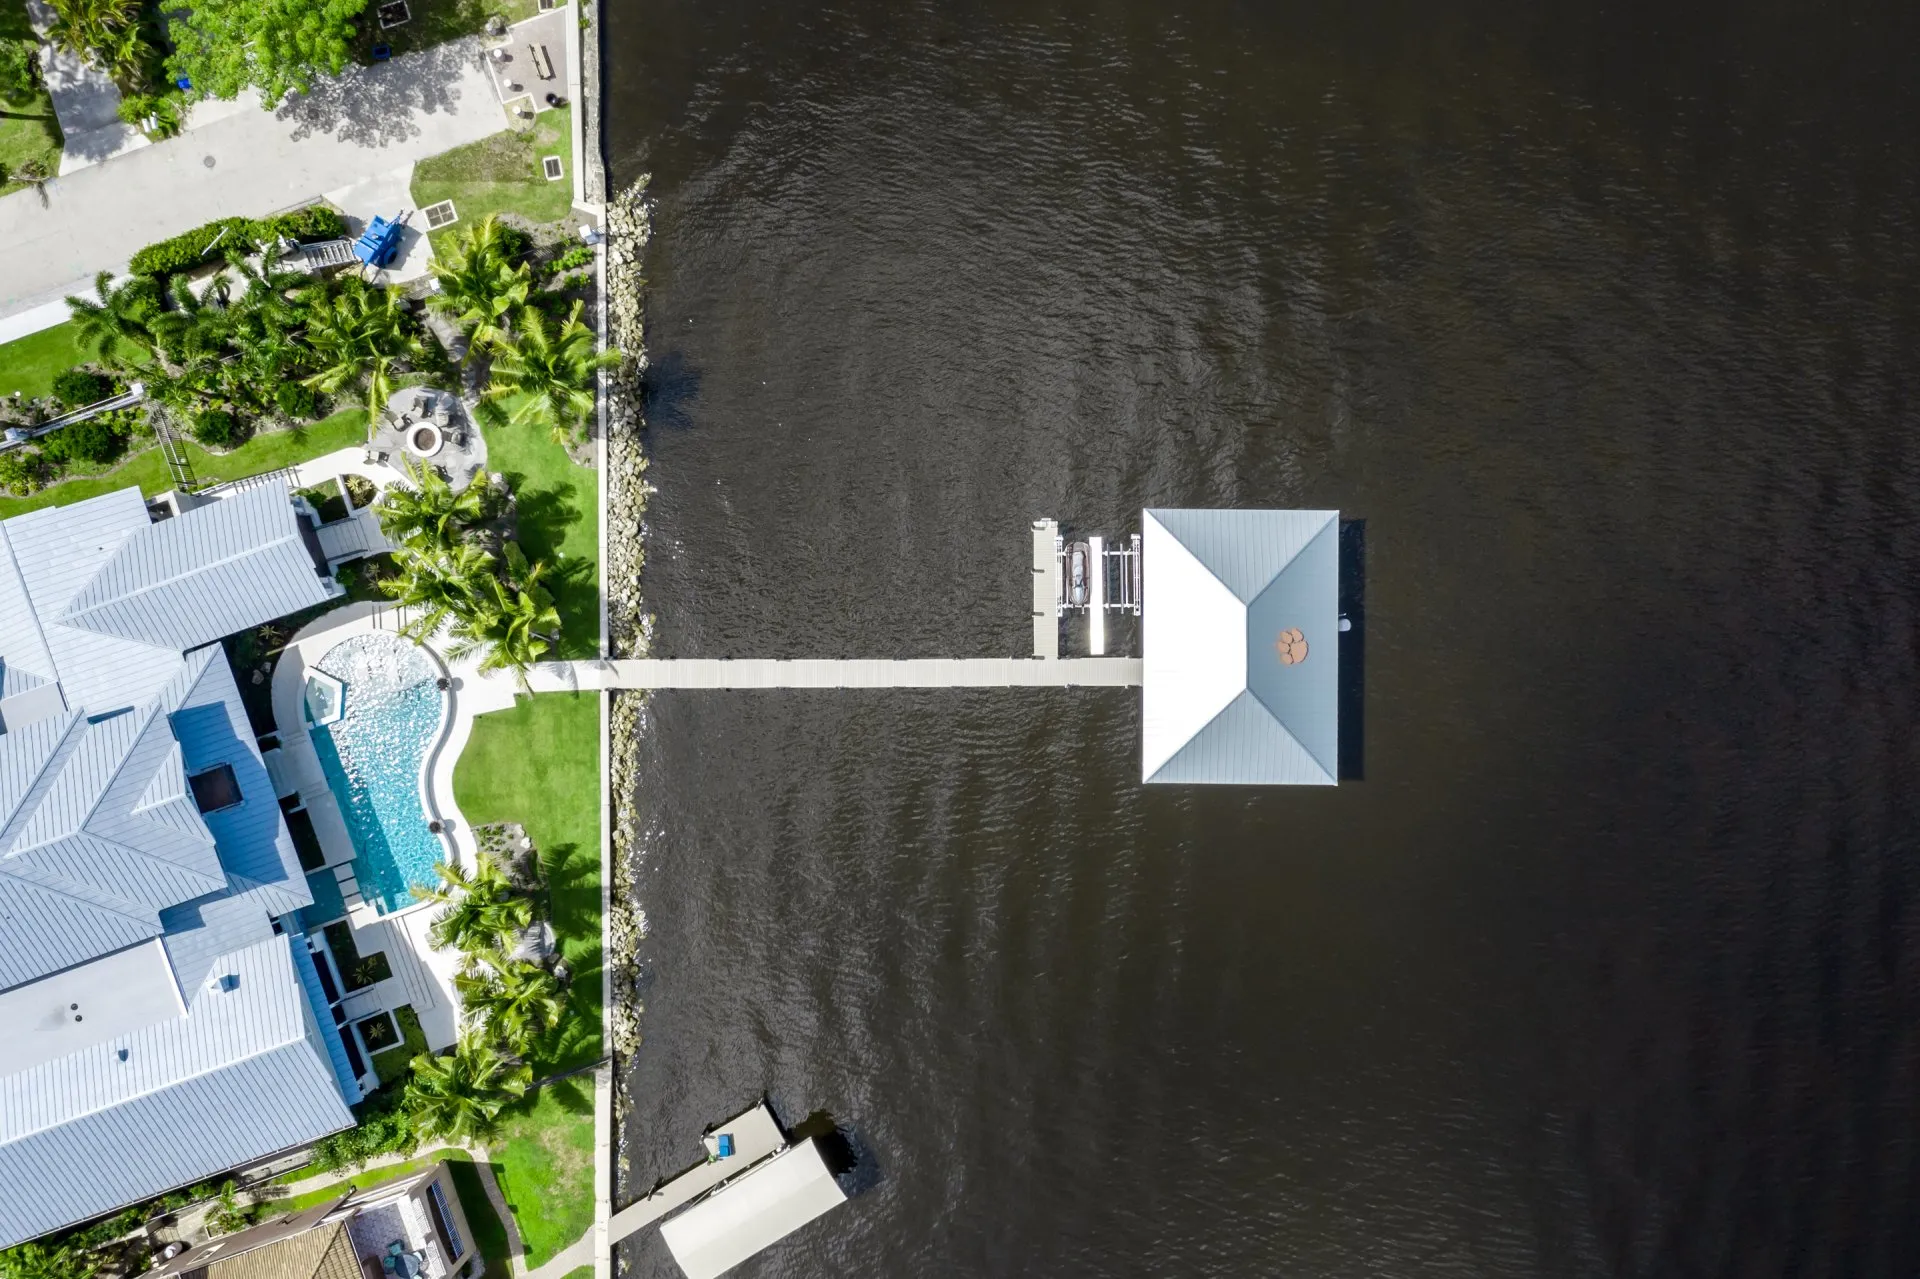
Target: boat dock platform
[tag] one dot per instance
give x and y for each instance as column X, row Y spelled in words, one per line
column 921, row 672
column 756, row 1136
column 1046, row 589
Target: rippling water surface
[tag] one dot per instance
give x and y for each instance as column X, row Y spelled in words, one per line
column 1604, row 320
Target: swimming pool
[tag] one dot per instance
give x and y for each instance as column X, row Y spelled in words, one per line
column 388, row 708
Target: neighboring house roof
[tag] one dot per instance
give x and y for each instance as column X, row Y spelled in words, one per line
column 1240, row 640
column 325, row 1252
column 119, row 898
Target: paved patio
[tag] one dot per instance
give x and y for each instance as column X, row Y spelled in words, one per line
column 370, row 121
column 531, row 60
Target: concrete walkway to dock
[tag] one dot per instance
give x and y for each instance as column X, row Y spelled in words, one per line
column 922, row 672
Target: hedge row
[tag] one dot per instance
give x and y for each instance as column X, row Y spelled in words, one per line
column 315, row 222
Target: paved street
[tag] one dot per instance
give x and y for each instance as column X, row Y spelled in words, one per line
column 370, row 121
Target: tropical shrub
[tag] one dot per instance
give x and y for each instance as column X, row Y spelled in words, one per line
column 384, row 1129
column 578, row 256
column 93, row 441
column 296, row 401
column 216, row 428
column 77, row 388
column 22, row 471
column 163, row 109
column 19, row 74
column 190, row 248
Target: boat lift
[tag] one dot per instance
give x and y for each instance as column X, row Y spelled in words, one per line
column 1081, row 576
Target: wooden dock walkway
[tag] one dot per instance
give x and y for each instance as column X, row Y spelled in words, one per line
column 924, row 672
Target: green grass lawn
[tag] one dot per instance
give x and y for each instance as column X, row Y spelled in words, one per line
column 489, row 1236
column 360, row 1181
column 149, row 470
column 28, row 130
column 432, row 22
column 559, row 522
column 543, row 1159
column 28, row 364
column 539, row 764
column 501, row 174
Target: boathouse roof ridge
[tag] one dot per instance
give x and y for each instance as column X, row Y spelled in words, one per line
column 1240, row 634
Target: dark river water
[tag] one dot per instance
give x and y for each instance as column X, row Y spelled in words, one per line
column 1604, row 319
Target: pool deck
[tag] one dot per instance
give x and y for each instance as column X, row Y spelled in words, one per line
column 423, row 975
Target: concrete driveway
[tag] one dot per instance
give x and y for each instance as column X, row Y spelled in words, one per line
column 371, row 120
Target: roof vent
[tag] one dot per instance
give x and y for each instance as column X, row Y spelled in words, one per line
column 123, row 1054
column 225, row 983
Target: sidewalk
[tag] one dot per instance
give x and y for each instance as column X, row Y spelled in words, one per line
column 369, row 121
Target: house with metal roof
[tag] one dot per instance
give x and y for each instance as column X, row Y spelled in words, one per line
column 1240, row 657
column 163, row 1020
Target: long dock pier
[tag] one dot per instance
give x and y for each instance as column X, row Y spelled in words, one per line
column 922, row 672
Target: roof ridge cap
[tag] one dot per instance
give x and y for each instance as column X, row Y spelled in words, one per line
column 33, row 612
column 72, row 614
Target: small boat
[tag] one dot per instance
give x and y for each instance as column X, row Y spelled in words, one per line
column 1077, row 585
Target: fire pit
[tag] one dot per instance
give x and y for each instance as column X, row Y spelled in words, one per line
column 424, row 439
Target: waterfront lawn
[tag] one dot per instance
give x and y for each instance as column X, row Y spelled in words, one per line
column 559, row 506
column 543, row 1159
column 539, row 764
column 501, row 174
column 148, row 469
column 28, row 128
column 29, row 364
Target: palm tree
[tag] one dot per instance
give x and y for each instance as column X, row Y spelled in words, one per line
column 514, row 1000
column 359, row 331
column 93, row 30
column 121, row 318
column 553, row 375
column 459, row 1097
column 49, row 1261
column 510, row 627
column 479, row 287
column 425, row 513
column 438, row 586
column 481, row 909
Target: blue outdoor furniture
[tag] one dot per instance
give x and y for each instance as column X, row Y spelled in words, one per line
column 724, row 1144
column 378, row 242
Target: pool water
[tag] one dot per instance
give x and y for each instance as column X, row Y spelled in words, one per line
column 390, row 713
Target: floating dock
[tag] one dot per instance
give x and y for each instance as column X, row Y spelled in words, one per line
column 756, row 1136
column 1046, row 589
column 739, row 1202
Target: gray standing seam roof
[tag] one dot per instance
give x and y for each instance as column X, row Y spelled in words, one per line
column 1279, row 723
column 103, row 847
column 245, row 1074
